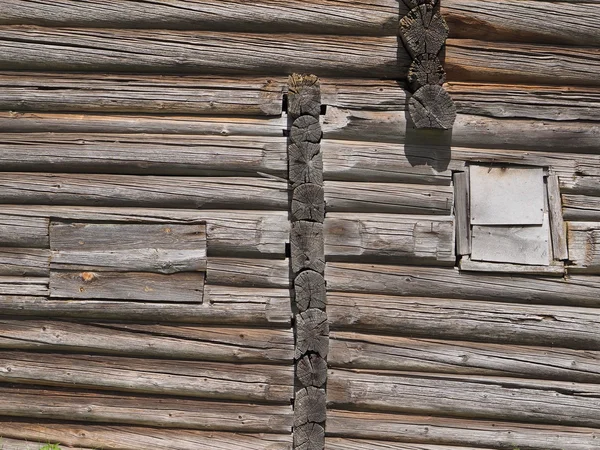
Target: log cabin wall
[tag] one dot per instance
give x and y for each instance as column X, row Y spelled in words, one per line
column 170, row 113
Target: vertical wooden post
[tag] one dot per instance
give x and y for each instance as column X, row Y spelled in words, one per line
column 308, row 261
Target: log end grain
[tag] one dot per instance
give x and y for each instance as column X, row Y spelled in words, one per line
column 432, row 107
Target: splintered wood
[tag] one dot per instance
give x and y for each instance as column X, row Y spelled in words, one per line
column 308, row 261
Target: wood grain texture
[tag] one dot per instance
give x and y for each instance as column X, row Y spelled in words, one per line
column 202, row 52
column 24, row 262
column 389, row 237
column 580, row 184
column 584, row 247
column 98, row 407
column 425, row 69
column 368, row 444
column 310, row 290
column 189, row 342
column 104, row 93
column 431, row 107
column 312, row 334
column 438, row 282
column 309, row 406
column 151, row 191
column 581, row 208
column 573, row 404
column 305, row 163
column 554, row 269
column 462, row 212
column 115, row 437
column 557, row 224
column 34, row 286
column 473, row 60
column 461, row 432
column 307, row 247
column 311, row 370
column 304, row 96
column 310, row 436
column 143, row 154
column 248, row 272
column 308, row 203
column 523, row 21
column 423, row 30
column 354, row 350
column 23, row 231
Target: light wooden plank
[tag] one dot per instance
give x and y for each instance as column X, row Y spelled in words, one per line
column 557, row 224
column 584, row 247
column 461, row 213
column 581, row 208
column 553, row 269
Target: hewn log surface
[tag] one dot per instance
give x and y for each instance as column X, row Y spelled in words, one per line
column 151, row 411
column 368, row 444
column 583, row 185
column 24, row 262
column 461, row 432
column 450, row 283
column 64, row 49
column 584, row 247
column 573, row 23
column 379, row 17
column 223, row 305
column 581, row 207
column 248, row 272
column 252, row 345
column 138, row 93
column 377, row 352
column 247, row 382
column 396, row 238
column 473, row 60
column 34, row 286
column 143, row 154
column 556, row 402
column 23, row 231
column 483, row 321
column 114, row 437
column 151, row 191
column 387, row 198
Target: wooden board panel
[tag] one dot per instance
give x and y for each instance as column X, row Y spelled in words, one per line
column 377, row 352
column 481, row 321
column 138, row 93
column 555, row 402
column 391, row 237
column 151, row 191
column 251, row 345
column 437, row 430
column 151, row 411
column 555, row 268
column 23, row 286
column 24, row 262
column 217, row 381
column 584, row 247
column 246, row 272
column 35, row 48
column 143, row 154
column 447, row 282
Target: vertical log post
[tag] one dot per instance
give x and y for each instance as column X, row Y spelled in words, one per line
column 308, row 261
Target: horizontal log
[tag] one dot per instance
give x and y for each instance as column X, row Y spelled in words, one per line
column 582, row 185
column 116, row 437
column 242, row 272
column 251, row 345
column 438, row 282
column 138, row 93
column 223, row 305
column 444, row 431
column 378, row 17
column 581, row 207
column 17, row 444
column 387, row 198
column 217, row 381
column 367, row 94
column 34, row 286
column 24, row 262
column 205, row 52
column 239, row 233
column 554, row 269
column 584, row 247
column 479, row 321
column 143, row 154
column 376, row 352
column 473, row 60
column 555, row 402
column 391, row 237
column 151, row 191
column 523, row 21
column 367, row 444
column 150, row 411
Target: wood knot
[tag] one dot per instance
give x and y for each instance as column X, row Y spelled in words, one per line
column 88, row 277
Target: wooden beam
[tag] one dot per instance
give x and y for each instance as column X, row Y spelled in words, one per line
column 248, row 272
column 368, row 444
column 584, row 247
column 24, row 262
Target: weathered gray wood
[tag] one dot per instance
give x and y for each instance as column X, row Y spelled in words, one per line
column 247, row 382
column 309, row 406
column 151, row 191
column 306, row 129
column 425, row 69
column 431, row 107
column 136, row 410
column 223, row 305
column 461, row 432
column 310, row 436
column 176, row 287
column 24, row 262
column 389, row 237
column 23, row 231
column 523, row 21
column 305, row 163
column 378, row 17
column 311, row 370
column 248, row 272
column 441, row 282
column 581, row 207
column 584, row 247
column 307, row 247
column 367, row 444
column 580, row 184
column 139, row 93
column 304, row 96
column 206, row 52
column 190, row 342
column 531, row 401
column 423, row 30
column 461, row 213
column 138, row 438
column 387, row 198
column 377, row 352
column 310, row 290
column 34, row 286
column 557, row 225
column 369, row 94
column 555, row 268
column 143, row 154
column 16, row 444
column 481, row 321
column 472, row 60
column 312, row 333
column 308, row 203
